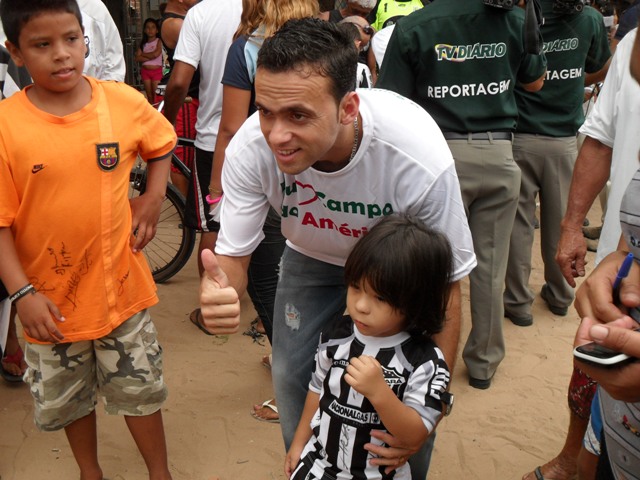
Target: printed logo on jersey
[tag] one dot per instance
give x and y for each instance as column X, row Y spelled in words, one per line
column 560, row 45
column 439, row 381
column 469, row 89
column 37, row 168
column 477, row 51
column 306, row 195
column 353, row 416
column 108, row 155
column 392, row 377
column 564, row 74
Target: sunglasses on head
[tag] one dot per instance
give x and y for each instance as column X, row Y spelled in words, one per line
column 368, row 29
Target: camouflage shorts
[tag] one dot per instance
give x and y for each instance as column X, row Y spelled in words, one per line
column 125, row 367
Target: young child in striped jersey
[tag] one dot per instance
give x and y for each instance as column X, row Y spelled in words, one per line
column 377, row 368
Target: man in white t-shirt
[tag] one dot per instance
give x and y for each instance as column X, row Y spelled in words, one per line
column 205, row 38
column 332, row 162
column 104, row 58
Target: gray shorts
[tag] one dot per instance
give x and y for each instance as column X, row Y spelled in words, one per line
column 125, row 367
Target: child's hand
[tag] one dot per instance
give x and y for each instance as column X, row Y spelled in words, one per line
column 364, row 374
column 145, row 212
column 37, row 315
column 292, row 459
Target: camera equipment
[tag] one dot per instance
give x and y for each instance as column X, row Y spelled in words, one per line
column 567, row 7
column 504, row 4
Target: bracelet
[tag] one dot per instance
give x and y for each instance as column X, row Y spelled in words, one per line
column 22, row 292
column 214, row 190
column 212, row 201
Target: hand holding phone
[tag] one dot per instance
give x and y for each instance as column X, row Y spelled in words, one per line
column 598, row 354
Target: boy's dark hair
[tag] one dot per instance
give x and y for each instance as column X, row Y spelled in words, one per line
column 16, row 13
column 410, row 266
column 312, row 43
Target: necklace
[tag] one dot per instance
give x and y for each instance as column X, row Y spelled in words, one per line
column 354, row 149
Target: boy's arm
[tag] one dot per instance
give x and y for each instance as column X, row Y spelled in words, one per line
column 303, row 433
column 364, row 374
column 35, row 310
column 145, row 209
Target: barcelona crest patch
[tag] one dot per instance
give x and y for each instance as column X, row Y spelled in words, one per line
column 108, row 155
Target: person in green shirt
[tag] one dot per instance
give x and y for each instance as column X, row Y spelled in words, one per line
column 460, row 60
column 545, row 149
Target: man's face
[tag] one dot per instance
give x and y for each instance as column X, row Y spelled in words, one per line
column 299, row 118
column 52, row 48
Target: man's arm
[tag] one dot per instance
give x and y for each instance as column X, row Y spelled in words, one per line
column 590, row 175
column 534, row 86
column 596, row 77
column 177, row 89
column 449, row 337
column 171, row 31
column 223, row 283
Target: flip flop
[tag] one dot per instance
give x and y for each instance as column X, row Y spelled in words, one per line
column 538, row 473
column 16, row 359
column 269, row 405
column 195, row 317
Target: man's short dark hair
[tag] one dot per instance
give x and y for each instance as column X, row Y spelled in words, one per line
column 16, row 13
column 310, row 43
column 410, row 266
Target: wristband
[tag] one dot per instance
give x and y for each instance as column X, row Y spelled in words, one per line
column 212, row 201
column 22, row 292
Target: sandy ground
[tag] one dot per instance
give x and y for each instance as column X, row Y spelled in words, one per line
column 500, row 433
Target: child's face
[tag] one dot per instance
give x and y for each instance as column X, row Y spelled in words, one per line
column 51, row 46
column 371, row 315
column 150, row 29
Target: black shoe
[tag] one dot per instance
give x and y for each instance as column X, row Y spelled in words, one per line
column 560, row 311
column 479, row 383
column 525, row 320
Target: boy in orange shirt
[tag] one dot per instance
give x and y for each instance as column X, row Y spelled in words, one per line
column 71, row 239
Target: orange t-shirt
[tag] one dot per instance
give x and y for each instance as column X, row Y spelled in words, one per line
column 64, row 194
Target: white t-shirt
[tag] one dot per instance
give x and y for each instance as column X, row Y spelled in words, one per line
column 105, row 57
column 204, row 40
column 614, row 121
column 380, row 41
column 403, row 165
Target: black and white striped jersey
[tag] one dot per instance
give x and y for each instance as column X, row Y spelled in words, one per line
column 413, row 368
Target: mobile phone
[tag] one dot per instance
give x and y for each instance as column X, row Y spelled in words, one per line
column 601, row 356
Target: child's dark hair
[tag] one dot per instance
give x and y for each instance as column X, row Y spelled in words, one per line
column 145, row 37
column 16, row 13
column 410, row 266
column 310, row 43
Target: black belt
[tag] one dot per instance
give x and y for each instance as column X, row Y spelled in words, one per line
column 478, row 136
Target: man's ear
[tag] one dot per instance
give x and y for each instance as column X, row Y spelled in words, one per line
column 349, row 107
column 15, row 53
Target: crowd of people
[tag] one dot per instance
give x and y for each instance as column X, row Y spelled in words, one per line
column 317, row 198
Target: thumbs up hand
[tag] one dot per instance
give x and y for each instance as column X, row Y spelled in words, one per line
column 219, row 302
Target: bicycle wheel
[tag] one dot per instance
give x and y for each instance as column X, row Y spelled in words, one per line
column 173, row 243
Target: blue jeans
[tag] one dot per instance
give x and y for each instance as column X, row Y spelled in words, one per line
column 310, row 294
